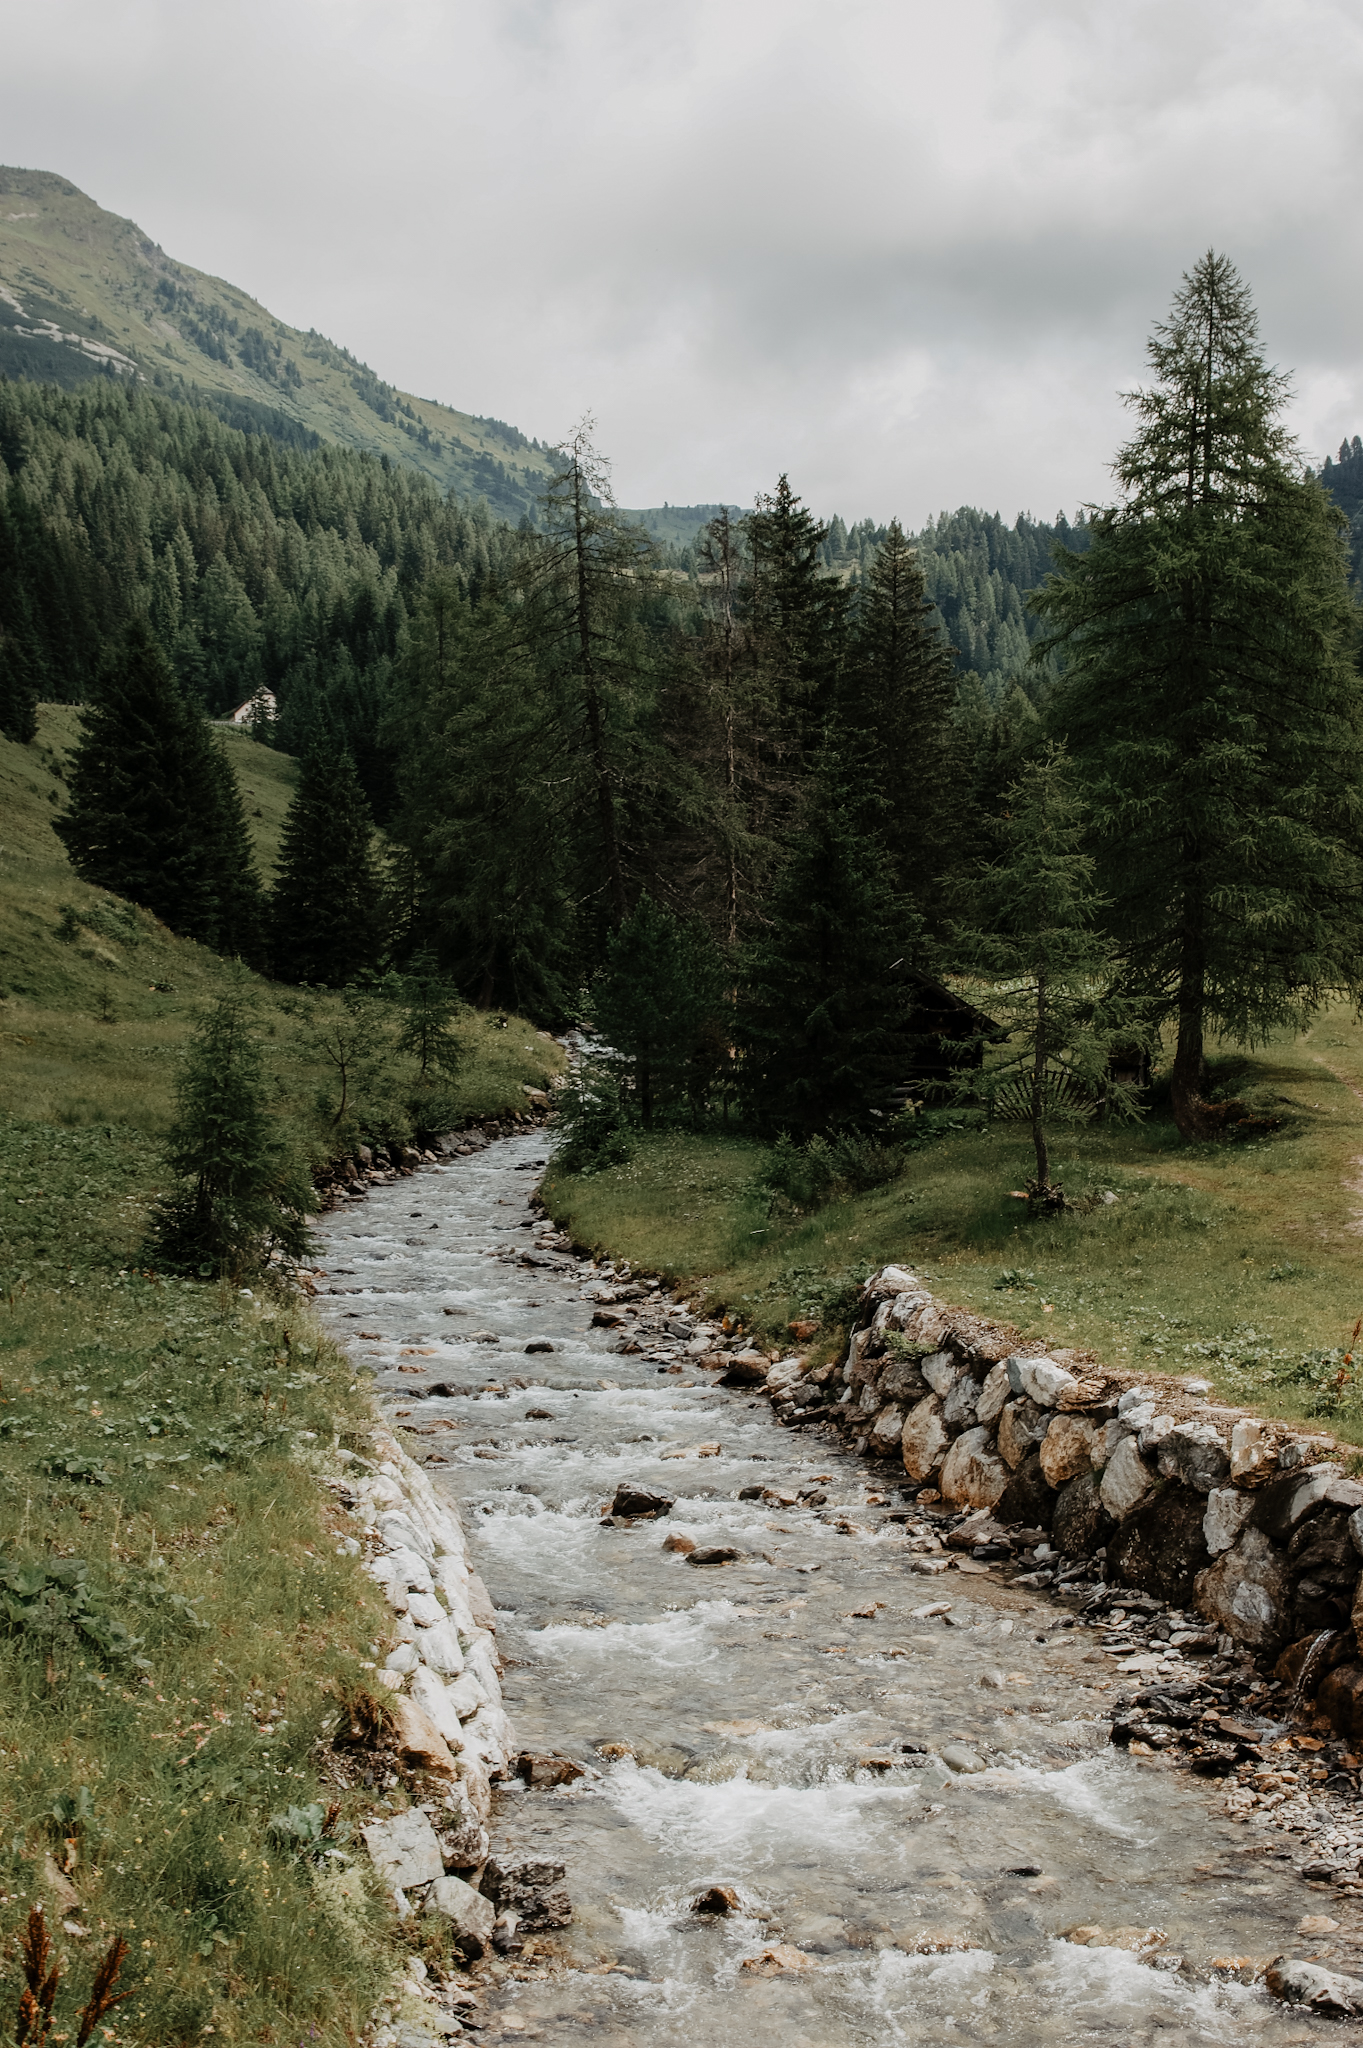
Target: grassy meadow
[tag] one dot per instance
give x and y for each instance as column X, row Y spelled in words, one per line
column 1241, row 1262
column 178, row 1630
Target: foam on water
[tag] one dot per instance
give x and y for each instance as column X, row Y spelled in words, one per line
column 747, row 1726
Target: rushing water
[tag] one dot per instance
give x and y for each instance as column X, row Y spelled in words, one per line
column 746, row 1723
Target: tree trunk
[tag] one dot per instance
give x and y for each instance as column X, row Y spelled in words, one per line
column 1190, row 1111
column 596, row 737
column 1043, row 1157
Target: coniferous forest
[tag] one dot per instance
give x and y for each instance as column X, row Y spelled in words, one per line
column 755, row 806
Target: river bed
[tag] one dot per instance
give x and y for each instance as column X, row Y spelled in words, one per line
column 906, row 1782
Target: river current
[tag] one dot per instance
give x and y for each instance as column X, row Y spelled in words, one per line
column 905, row 1782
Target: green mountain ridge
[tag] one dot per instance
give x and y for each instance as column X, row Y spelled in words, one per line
column 85, row 293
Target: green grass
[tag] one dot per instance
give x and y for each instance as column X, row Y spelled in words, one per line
column 1240, row 1262
column 89, row 1026
column 156, row 1439
column 159, row 1436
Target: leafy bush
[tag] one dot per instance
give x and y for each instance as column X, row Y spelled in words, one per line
column 50, row 1601
column 804, row 1177
column 594, row 1119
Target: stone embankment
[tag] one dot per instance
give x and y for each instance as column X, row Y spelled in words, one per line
column 447, row 1736
column 1251, row 1528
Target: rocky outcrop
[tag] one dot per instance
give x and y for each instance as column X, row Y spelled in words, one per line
column 1249, row 1522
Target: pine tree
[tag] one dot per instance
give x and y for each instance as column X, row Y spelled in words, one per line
column 429, row 1002
column 240, row 898
column 155, row 814
column 1212, row 701
column 652, row 1000
column 823, row 1020
column 894, row 707
column 1034, row 933
column 240, row 1197
column 324, row 913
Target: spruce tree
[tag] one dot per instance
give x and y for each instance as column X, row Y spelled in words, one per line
column 429, row 1002
column 823, row 1017
column 325, row 910
column 652, row 1000
column 1212, row 701
column 894, row 706
column 155, row 814
column 1034, row 934
column 239, row 1196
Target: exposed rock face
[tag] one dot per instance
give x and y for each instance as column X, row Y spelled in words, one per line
column 405, row 1851
column 1228, row 1510
column 1022, row 1425
column 1289, row 1501
column 1041, row 1379
column 925, row 1439
column 1253, row 1454
column 1081, row 1523
column 471, row 1916
column 1127, row 1479
column 1027, row 1498
column 887, row 1431
column 973, row 1476
column 993, row 1395
column 1340, row 1695
column 1159, row 1548
column 640, row 1501
column 958, row 1408
column 1248, row 1590
column 1311, row 1985
column 941, row 1370
column 1067, row 1448
column 1194, row 1455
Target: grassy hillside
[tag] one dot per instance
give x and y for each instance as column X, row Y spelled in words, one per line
column 182, row 1630
column 85, row 293
column 1238, row 1262
column 90, row 1023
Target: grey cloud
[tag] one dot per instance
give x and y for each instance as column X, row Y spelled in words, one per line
column 909, row 254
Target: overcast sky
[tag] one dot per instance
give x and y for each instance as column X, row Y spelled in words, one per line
column 906, row 252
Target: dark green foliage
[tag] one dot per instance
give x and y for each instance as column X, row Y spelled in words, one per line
column 429, row 1002
column 155, row 814
column 325, row 924
column 355, row 1042
column 52, row 1604
column 1212, row 700
column 595, row 1117
column 239, row 1196
column 894, row 707
column 823, row 1023
column 257, row 564
column 656, row 1001
column 1035, row 937
column 803, row 1177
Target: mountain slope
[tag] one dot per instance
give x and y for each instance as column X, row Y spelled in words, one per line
column 84, row 293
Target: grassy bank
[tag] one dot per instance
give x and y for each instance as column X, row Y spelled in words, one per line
column 97, row 997
column 1242, row 1262
column 178, row 1626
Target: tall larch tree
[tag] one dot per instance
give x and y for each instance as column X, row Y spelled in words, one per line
column 1212, row 700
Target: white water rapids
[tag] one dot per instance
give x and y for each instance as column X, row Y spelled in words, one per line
column 738, row 1704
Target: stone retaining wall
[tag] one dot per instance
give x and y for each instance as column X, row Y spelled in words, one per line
column 1250, row 1523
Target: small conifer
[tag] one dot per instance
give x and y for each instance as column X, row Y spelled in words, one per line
column 325, row 911
column 238, row 1197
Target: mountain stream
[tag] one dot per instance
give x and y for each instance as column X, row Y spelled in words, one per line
column 905, row 1783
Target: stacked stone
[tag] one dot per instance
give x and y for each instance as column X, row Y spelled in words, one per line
column 1252, row 1525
